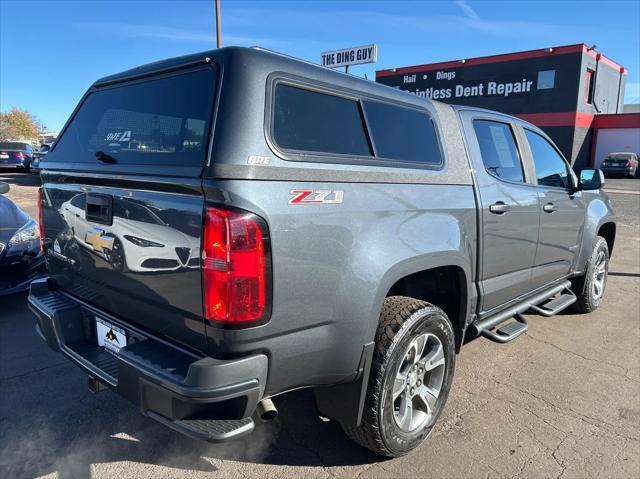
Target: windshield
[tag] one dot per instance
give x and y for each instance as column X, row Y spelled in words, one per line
column 620, row 156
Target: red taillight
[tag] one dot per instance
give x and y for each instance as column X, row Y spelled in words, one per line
column 629, row 164
column 40, row 224
column 235, row 268
column 20, row 155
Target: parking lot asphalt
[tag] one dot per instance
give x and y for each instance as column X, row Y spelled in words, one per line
column 561, row 401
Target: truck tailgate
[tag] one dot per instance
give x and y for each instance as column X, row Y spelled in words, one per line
column 123, row 203
column 131, row 248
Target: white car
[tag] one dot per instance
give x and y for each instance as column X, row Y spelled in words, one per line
column 138, row 240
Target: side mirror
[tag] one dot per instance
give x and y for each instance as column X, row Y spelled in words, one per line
column 4, row 187
column 591, row 179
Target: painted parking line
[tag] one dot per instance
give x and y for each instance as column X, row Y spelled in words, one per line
column 623, row 192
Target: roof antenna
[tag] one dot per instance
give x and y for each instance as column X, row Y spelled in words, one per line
column 218, row 25
column 366, row 77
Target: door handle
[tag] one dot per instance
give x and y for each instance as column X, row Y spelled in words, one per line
column 499, row 208
column 550, row 208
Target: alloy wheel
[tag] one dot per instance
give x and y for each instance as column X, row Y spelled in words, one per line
column 599, row 275
column 418, row 382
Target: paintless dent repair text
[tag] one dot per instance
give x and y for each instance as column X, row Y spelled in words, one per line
column 465, row 91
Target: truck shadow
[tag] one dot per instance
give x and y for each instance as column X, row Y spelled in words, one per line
column 50, row 423
column 20, row 178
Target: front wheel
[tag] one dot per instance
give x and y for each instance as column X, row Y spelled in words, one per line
column 411, row 374
column 116, row 257
column 589, row 288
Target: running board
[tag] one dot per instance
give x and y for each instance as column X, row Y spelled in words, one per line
column 513, row 329
column 555, row 305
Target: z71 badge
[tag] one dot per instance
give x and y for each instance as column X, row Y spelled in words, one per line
column 316, row 197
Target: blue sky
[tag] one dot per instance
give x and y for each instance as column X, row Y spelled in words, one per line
column 51, row 51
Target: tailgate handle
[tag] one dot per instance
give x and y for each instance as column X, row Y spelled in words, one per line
column 99, row 208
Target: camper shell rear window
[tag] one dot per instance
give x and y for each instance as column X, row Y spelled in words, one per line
column 159, row 120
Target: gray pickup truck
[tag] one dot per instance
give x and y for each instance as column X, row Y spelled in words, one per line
column 224, row 227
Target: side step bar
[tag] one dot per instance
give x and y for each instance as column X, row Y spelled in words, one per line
column 508, row 332
column 555, row 305
column 515, row 328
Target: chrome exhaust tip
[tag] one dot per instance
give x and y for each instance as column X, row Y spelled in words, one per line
column 267, row 410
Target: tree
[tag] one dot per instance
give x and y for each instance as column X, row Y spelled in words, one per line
column 17, row 124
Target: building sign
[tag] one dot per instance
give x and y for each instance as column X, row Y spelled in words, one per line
column 451, row 89
column 530, row 86
column 350, row 56
column 559, row 89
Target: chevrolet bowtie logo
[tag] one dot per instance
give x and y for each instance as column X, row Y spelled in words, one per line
column 98, row 241
column 111, row 336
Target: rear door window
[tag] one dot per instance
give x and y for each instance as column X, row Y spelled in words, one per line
column 402, row 134
column 161, row 121
column 498, row 149
column 79, row 201
column 306, row 120
column 551, row 169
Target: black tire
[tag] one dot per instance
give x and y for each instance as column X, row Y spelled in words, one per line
column 584, row 287
column 117, row 258
column 402, row 321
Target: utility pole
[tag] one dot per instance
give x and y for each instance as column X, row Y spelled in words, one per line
column 218, row 25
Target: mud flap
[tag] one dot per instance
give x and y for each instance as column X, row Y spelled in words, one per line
column 345, row 402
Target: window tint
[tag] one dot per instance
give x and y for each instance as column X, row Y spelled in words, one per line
column 498, row 149
column 402, row 133
column 158, row 121
column 311, row 121
column 79, row 201
column 551, row 169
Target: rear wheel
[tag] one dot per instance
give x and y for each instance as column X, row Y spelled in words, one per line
column 410, row 377
column 590, row 287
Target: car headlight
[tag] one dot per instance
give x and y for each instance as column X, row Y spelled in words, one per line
column 142, row 242
column 29, row 232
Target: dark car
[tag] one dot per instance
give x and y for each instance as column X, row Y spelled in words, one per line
column 39, row 155
column 16, row 154
column 621, row 164
column 21, row 258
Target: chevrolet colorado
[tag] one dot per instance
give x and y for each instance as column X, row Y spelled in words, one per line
column 224, row 227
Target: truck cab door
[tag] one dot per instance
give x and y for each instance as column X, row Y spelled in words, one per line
column 509, row 213
column 562, row 211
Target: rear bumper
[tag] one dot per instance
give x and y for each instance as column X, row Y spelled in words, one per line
column 167, row 383
column 621, row 171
